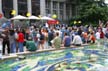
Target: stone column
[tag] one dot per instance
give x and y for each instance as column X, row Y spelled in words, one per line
column 51, row 8
column 15, row 6
column 0, row 6
column 70, row 11
column 64, row 11
column 29, row 6
column 42, row 8
column 58, row 11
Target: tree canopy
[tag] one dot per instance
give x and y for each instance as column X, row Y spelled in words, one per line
column 91, row 11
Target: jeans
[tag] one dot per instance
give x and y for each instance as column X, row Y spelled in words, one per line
column 13, row 47
column 46, row 45
column 106, row 35
column 37, row 44
column 20, row 46
column 4, row 46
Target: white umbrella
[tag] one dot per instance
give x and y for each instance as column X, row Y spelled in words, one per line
column 18, row 17
column 46, row 18
column 33, row 17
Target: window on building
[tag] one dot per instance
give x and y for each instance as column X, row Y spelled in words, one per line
column 73, row 10
column 47, row 11
column 61, row 5
column 22, row 7
column 7, row 7
column 67, row 11
column 67, row 6
column 61, row 14
column 35, row 7
column 48, row 4
column 55, row 12
column 55, row 5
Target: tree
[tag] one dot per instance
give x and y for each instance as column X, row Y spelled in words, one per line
column 91, row 11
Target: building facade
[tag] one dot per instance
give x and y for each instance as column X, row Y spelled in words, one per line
column 64, row 9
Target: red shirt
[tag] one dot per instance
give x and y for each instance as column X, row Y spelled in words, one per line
column 101, row 35
column 92, row 37
column 20, row 37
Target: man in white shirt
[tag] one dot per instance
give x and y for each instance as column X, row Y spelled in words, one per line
column 58, row 31
column 77, row 41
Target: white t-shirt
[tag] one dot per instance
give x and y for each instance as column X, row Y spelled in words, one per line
column 38, row 36
column 58, row 31
column 77, row 40
column 97, row 35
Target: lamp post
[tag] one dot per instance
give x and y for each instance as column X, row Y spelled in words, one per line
column 54, row 16
column 77, row 22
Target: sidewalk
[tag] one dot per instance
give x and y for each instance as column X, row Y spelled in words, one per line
column 16, row 55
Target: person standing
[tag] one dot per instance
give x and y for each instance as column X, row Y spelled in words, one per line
column 41, row 40
column 50, row 37
column 5, row 37
column 20, row 41
column 1, row 47
column 16, row 39
column 12, row 41
column 46, row 39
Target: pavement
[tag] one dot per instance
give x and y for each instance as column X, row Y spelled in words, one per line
column 15, row 55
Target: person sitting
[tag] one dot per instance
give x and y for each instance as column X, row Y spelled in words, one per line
column 77, row 41
column 66, row 40
column 92, row 38
column 84, row 37
column 30, row 45
column 56, row 42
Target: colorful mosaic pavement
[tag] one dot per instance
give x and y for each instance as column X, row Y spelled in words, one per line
column 88, row 58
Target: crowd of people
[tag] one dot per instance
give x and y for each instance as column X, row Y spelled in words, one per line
column 34, row 38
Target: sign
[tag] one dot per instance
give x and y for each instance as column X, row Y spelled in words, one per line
column 53, row 22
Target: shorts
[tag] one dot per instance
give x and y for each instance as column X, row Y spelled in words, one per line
column 41, row 42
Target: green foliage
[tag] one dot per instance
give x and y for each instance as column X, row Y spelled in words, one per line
column 91, row 11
